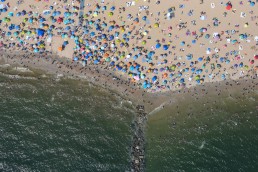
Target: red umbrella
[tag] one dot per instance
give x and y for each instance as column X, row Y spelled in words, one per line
column 229, row 6
column 252, row 62
column 256, row 57
column 60, row 20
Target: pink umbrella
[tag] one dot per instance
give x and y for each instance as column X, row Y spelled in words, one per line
column 237, row 58
column 256, row 57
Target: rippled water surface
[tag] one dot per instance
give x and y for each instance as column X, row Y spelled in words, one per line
column 193, row 135
column 62, row 125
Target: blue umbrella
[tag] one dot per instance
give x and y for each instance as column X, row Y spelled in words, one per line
column 67, row 28
column 92, row 34
column 193, row 41
column 154, row 78
column 165, row 47
column 182, row 43
column 112, row 8
column 65, row 43
column 10, row 14
column 189, row 57
column 75, row 58
column 158, row 45
column 241, row 64
column 96, row 61
column 200, row 59
column 111, row 37
column 40, row 32
column 223, row 76
column 252, row 4
column 182, row 80
column 222, row 59
column 144, row 18
column 31, row 20
column 112, row 63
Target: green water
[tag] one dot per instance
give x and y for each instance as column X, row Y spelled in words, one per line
column 193, row 135
column 63, row 125
column 69, row 125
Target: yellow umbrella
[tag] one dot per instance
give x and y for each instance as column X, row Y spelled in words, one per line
column 156, row 25
column 110, row 14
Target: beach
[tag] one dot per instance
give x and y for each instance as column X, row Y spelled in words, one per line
column 175, row 63
column 157, row 46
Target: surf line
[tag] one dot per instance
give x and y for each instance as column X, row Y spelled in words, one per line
column 138, row 145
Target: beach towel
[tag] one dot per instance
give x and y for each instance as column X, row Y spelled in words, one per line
column 242, row 14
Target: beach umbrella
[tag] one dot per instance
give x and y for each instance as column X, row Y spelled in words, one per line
column 154, row 78
column 203, row 30
column 144, row 18
column 112, row 8
column 10, row 14
column 193, row 41
column 234, row 41
column 252, row 3
column 256, row 57
column 203, row 17
column 40, row 32
column 241, row 65
column 156, row 25
column 46, row 12
column 200, row 59
column 165, row 47
column 173, row 67
column 189, row 57
column 228, row 6
column 222, row 59
column 6, row 19
column 75, row 58
column 16, row 33
column 110, row 14
column 18, row 14
column 252, row 62
column 158, row 45
column 65, row 43
column 182, row 43
column 36, row 50
column 143, row 42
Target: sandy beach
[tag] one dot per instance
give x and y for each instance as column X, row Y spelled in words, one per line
column 143, row 49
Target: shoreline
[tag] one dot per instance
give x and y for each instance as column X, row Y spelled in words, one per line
column 153, row 102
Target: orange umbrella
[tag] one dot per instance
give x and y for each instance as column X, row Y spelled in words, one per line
column 60, row 49
column 106, row 55
column 165, row 75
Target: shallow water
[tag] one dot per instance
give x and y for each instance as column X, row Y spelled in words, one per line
column 63, row 125
column 198, row 136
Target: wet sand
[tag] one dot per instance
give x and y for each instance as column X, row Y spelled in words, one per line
column 107, row 79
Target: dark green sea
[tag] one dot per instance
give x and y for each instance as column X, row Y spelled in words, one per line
column 48, row 125
column 213, row 134
column 68, row 125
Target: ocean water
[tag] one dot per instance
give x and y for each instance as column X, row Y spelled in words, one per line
column 213, row 134
column 62, row 125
